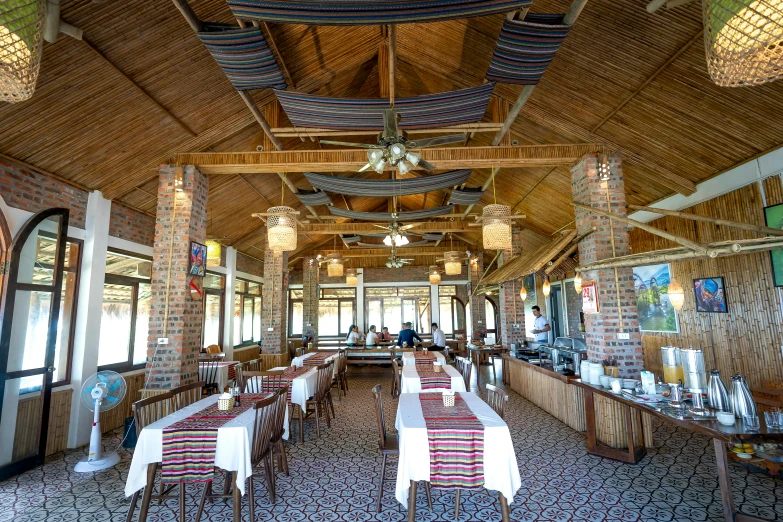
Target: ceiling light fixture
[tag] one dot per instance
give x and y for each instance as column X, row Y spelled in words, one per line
column 434, row 273
column 351, row 277
column 604, row 168
column 21, row 46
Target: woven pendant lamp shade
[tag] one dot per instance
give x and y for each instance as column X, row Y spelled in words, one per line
column 334, row 268
column 676, row 294
column 213, row 252
column 351, row 278
column 744, row 41
column 21, row 45
column 434, row 272
column 496, row 227
column 281, row 229
column 453, row 262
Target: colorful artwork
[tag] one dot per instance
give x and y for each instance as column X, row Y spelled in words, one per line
column 710, row 296
column 656, row 313
column 198, row 259
column 774, row 218
column 589, row 297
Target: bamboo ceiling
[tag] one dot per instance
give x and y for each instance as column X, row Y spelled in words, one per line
column 142, row 88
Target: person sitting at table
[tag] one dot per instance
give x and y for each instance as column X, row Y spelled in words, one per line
column 406, row 335
column 385, row 336
column 353, row 336
column 438, row 338
column 372, row 338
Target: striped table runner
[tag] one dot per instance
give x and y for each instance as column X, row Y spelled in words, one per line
column 271, row 383
column 317, row 358
column 189, row 445
column 431, row 380
column 456, row 439
column 424, row 361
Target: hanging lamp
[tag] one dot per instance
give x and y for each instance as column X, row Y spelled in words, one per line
column 281, row 225
column 743, row 40
column 351, row 277
column 604, row 169
column 676, row 294
column 496, row 225
column 334, row 265
column 21, row 46
column 523, row 292
column 214, row 250
column 547, row 287
column 578, row 283
column 452, row 260
column 434, row 272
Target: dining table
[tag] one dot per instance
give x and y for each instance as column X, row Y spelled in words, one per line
column 412, row 358
column 425, row 428
column 225, row 372
column 316, row 358
column 417, row 379
column 231, row 448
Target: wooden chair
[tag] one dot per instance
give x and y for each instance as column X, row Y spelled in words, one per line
column 262, row 382
column 465, row 366
column 389, row 444
column 299, row 351
column 145, row 412
column 396, row 386
column 186, row 395
column 213, row 349
column 320, row 401
column 254, row 365
column 340, row 380
column 497, row 399
column 239, row 375
column 266, row 415
column 209, row 371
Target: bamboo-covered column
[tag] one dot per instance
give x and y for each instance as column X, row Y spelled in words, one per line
column 310, row 279
column 274, row 314
column 512, row 307
column 616, row 297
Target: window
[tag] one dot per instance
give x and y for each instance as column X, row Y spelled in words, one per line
column 247, row 312
column 392, row 306
column 452, row 312
column 126, row 312
column 490, row 312
column 336, row 311
column 295, row 312
column 214, row 294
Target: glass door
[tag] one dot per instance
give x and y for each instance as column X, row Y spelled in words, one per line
column 28, row 338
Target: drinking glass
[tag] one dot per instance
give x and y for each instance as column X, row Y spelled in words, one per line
column 751, row 422
column 770, row 419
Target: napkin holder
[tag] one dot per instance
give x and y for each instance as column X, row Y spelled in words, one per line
column 225, row 402
column 437, row 366
column 448, row 399
column 612, row 371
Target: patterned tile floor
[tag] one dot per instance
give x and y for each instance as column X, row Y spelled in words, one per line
column 335, row 478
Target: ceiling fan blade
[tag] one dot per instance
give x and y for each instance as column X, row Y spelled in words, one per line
column 426, row 165
column 350, row 144
column 390, row 123
column 364, row 168
column 412, row 225
column 435, row 142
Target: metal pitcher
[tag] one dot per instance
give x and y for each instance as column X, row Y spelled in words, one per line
column 675, row 397
column 717, row 395
column 742, row 403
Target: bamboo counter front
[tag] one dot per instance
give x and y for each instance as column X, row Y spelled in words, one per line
column 554, row 393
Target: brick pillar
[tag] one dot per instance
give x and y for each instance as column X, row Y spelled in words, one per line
column 512, row 308
column 182, row 213
column 614, row 287
column 478, row 318
column 274, row 314
column 310, row 280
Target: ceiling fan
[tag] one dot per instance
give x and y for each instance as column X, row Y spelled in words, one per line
column 395, row 262
column 397, row 234
column 395, row 149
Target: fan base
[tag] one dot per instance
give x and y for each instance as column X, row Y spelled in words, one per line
column 110, row 460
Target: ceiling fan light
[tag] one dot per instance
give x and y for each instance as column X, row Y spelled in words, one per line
column 373, row 155
column 403, row 167
column 397, row 151
column 379, row 165
column 413, row 158
column 401, row 240
column 387, row 241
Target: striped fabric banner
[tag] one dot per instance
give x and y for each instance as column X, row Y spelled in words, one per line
column 189, row 445
column 368, row 12
column 423, row 362
column 434, row 236
column 313, row 198
column 387, row 187
column 349, row 240
column 386, row 216
column 467, row 196
column 456, row 438
column 525, row 48
column 245, row 58
column 418, row 112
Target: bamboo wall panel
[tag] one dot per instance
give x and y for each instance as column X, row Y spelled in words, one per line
column 246, row 354
column 748, row 339
column 115, row 417
column 28, row 421
column 273, row 360
column 610, row 423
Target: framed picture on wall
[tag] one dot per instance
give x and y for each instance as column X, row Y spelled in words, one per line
column 710, row 296
column 773, row 216
column 651, row 286
column 197, row 265
column 590, row 297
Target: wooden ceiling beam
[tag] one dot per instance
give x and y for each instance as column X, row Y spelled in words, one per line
column 351, row 160
column 370, row 228
column 315, row 132
column 392, row 61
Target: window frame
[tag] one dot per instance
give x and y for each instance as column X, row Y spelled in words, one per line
column 77, row 271
column 291, row 301
column 242, row 296
column 339, row 300
column 495, row 317
column 221, row 315
column 402, row 298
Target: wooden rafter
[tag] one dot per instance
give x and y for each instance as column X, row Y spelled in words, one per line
column 369, row 228
column 316, row 132
column 352, row 160
column 715, row 221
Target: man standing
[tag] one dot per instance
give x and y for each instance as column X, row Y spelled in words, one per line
column 407, row 335
column 541, row 326
column 438, row 338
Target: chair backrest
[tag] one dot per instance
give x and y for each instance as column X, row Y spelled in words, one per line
column 254, row 365
column 497, row 399
column 262, row 382
column 213, row 348
column 324, row 380
column 379, row 416
column 396, row 372
column 282, row 411
column 187, row 394
column 264, row 426
column 467, row 366
column 299, row 351
column 342, row 362
column 239, row 375
column 146, row 411
column 209, row 370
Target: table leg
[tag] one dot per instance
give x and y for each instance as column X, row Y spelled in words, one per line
column 145, row 501
column 301, row 425
column 505, row 516
column 631, row 456
column 181, row 502
column 237, row 499
column 412, row 502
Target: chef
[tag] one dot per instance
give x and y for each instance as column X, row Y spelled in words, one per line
column 541, row 326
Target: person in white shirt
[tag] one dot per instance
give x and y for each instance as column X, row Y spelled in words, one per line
column 540, row 326
column 372, row 338
column 353, row 336
column 438, row 338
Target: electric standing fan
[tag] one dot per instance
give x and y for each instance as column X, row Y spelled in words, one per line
column 101, row 392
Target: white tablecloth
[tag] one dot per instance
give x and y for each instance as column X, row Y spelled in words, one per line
column 411, row 382
column 233, row 451
column 222, row 374
column 501, row 472
column 299, row 361
column 408, row 359
column 302, row 388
